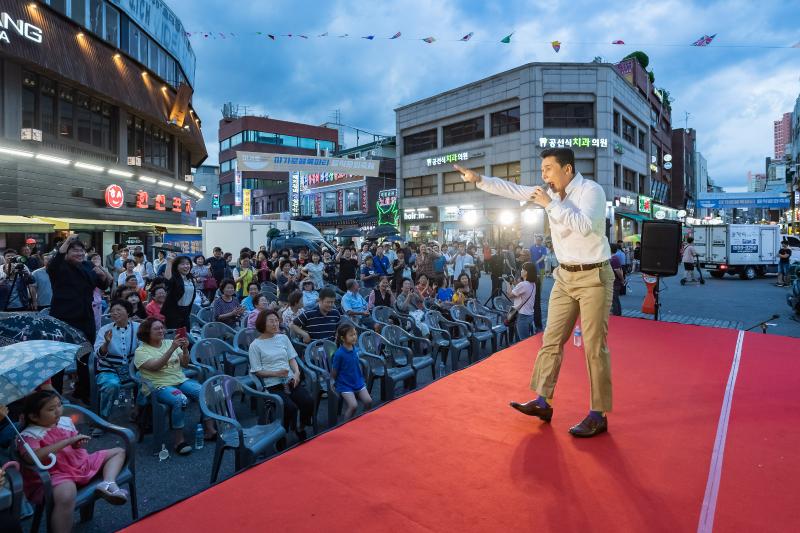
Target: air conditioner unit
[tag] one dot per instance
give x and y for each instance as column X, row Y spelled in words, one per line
column 31, row 134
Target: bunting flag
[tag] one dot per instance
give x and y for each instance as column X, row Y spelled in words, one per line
column 467, row 37
column 396, row 35
column 323, row 34
column 271, row 36
column 556, row 45
column 369, row 37
column 429, row 40
column 619, row 41
column 507, row 38
column 705, row 40
column 342, row 36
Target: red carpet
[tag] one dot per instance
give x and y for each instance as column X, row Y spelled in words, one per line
column 454, row 457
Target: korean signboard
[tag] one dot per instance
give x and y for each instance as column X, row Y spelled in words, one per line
column 645, row 204
column 175, row 204
column 324, row 179
column 388, row 211
column 246, row 199
column 446, row 159
column 9, row 27
column 572, row 142
column 264, row 162
column 237, row 189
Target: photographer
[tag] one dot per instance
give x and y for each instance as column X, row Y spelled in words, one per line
column 17, row 286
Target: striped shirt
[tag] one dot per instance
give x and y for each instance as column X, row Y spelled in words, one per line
column 317, row 325
column 121, row 348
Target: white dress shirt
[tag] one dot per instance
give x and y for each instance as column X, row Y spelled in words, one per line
column 460, row 262
column 577, row 223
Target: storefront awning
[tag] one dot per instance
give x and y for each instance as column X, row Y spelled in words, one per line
column 19, row 224
column 97, row 225
column 180, row 229
column 638, row 218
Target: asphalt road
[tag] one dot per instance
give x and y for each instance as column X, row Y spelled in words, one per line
column 162, row 483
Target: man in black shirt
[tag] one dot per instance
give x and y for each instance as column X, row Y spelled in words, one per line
column 783, row 264
column 217, row 265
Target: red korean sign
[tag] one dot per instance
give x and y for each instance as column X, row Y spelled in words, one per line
column 114, row 196
column 160, row 203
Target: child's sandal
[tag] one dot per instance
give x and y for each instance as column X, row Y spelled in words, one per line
column 111, row 493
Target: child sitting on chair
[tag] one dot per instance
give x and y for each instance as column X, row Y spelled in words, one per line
column 346, row 371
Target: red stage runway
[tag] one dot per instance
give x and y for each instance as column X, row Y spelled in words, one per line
column 455, row 457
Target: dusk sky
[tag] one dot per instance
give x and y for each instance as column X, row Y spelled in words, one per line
column 733, row 89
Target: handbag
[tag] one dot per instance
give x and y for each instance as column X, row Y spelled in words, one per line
column 210, row 283
column 511, row 316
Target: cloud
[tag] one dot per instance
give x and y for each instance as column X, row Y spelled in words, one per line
column 733, row 94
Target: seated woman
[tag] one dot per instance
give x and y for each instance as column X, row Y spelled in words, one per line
column 153, row 309
column 249, row 301
column 272, row 360
column 226, row 308
column 292, row 310
column 161, row 364
column 423, row 287
column 114, row 346
column 466, row 284
column 262, row 304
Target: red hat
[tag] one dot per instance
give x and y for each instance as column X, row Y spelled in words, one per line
column 30, row 241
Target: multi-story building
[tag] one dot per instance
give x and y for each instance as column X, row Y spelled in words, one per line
column 269, row 190
column 702, row 186
column 684, row 181
column 97, row 130
column 498, row 126
column 782, row 134
column 336, row 201
column 206, row 180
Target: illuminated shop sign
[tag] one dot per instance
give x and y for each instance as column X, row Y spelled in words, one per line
column 572, row 142
column 294, row 194
column 176, row 203
column 114, row 196
column 246, row 202
column 324, row 179
column 645, row 204
column 388, row 210
column 10, row 26
column 237, row 189
column 423, row 213
column 448, row 158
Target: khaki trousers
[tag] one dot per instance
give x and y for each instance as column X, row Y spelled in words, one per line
column 586, row 294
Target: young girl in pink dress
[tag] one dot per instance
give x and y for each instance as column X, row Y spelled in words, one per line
column 48, row 432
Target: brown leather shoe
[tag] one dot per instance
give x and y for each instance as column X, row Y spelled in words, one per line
column 589, row 427
column 532, row 408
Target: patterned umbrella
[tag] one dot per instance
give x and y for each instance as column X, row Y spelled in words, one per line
column 26, row 365
column 32, row 326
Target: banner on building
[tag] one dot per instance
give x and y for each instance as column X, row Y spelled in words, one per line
column 265, row 162
column 246, row 199
column 237, row 189
column 743, row 201
column 294, row 194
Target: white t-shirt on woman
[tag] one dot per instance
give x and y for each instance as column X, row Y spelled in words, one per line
column 272, row 355
column 524, row 297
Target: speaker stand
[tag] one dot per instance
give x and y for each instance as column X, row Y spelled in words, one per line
column 656, row 297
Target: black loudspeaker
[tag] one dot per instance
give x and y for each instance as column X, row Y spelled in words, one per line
column 661, row 247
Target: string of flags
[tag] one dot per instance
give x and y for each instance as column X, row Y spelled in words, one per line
column 556, row 45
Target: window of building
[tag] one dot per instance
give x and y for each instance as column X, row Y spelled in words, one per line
column 96, row 107
column 585, row 167
column 505, row 121
column 83, row 118
column 617, row 175
column 628, row 180
column 225, row 144
column 464, row 131
column 327, row 145
column 330, row 203
column 569, row 115
column 454, row 183
column 420, row 186
column 226, row 188
column 78, row 11
column 47, row 104
column 112, row 25
column 150, row 143
column 642, row 139
column 628, row 131
column 616, row 122
column 281, row 204
column 66, row 116
column 419, row 142
column 307, row 205
column 134, row 36
column 643, row 184
column 96, row 16
column 237, row 139
column 308, row 144
column 30, row 91
column 507, row 171
column 352, row 200
column 59, row 5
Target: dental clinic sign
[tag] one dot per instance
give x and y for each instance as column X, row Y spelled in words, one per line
column 11, row 27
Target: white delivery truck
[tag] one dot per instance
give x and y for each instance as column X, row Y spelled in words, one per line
column 232, row 234
column 749, row 250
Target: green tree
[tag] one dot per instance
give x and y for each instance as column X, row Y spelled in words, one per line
column 641, row 57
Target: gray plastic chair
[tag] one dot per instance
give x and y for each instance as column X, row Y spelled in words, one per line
column 423, row 355
column 388, row 362
column 458, row 333
column 86, row 496
column 218, row 330
column 503, row 305
column 480, row 329
column 318, row 357
column 215, row 356
column 496, row 320
column 386, row 316
column 249, row 443
column 94, row 390
column 205, row 315
column 11, row 493
column 244, row 338
column 269, row 288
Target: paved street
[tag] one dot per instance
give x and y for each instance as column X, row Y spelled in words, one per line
column 731, row 300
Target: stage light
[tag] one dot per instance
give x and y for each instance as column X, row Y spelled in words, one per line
column 470, row 217
column 529, row 216
column 506, row 218
column 53, row 159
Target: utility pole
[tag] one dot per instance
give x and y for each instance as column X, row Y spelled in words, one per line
column 686, row 115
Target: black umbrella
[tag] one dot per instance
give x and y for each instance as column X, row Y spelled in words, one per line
column 393, row 238
column 168, row 247
column 382, row 231
column 350, row 232
column 32, row 326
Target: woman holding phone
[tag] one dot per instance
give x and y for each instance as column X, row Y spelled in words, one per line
column 181, row 292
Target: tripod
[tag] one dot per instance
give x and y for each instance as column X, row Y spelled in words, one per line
column 503, row 279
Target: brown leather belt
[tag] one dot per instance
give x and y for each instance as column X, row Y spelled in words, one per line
column 578, row 268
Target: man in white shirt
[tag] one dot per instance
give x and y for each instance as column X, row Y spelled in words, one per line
column 462, row 260
column 583, row 286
